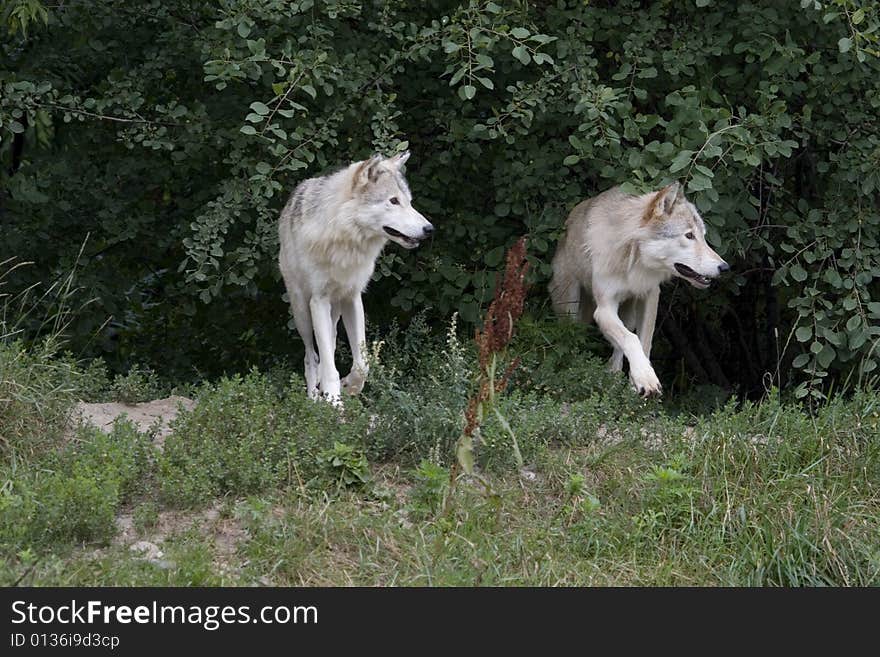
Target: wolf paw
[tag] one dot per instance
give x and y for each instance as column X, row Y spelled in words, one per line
column 354, row 382
column 645, row 381
column 331, row 391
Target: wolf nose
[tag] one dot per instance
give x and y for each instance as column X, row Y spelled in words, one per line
column 723, row 267
column 428, row 230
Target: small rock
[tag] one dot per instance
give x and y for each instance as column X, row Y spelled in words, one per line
column 528, row 475
column 149, row 551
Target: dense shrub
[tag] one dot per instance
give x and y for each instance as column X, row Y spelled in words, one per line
column 74, row 494
column 171, row 133
column 245, row 436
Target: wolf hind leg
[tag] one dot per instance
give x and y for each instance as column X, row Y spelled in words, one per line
column 302, row 319
column 565, row 293
column 355, row 328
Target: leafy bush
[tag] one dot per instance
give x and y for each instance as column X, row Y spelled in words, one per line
column 140, row 384
column 243, row 437
column 199, row 127
column 431, row 484
column 73, row 495
column 417, row 393
column 345, row 464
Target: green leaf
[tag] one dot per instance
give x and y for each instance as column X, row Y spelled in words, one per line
column 248, row 130
column 845, row 44
column 542, row 38
column 853, row 323
column 804, row 333
column 798, row 273
column 485, row 61
column 699, row 183
column 520, row 33
column 522, row 55
column 494, row 257
column 826, row 356
column 467, row 91
column 260, row 108
column 263, row 167
column 681, row 161
column 571, row 159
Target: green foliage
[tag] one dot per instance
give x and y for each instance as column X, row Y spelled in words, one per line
column 417, row 394
column 245, row 436
column 174, row 148
column 145, row 515
column 614, row 492
column 345, row 464
column 17, row 15
column 74, row 494
column 431, row 484
column 139, row 385
column 36, row 396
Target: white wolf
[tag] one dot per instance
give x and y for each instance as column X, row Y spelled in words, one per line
column 616, row 251
column 331, row 230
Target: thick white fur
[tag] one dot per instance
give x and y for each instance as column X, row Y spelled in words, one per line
column 331, row 231
column 609, row 264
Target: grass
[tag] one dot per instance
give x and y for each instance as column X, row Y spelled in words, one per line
column 258, row 485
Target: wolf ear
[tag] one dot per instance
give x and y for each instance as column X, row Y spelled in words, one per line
column 367, row 171
column 668, row 197
column 400, row 159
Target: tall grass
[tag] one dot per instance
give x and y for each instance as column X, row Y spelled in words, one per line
column 36, row 386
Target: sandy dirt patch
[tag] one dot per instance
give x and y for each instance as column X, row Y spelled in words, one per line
column 153, row 416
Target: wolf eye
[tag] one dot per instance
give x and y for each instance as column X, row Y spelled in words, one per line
column 689, row 235
column 394, row 200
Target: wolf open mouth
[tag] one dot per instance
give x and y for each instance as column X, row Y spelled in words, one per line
column 692, row 277
column 408, row 241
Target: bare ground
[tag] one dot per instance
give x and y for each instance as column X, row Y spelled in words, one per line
column 152, row 417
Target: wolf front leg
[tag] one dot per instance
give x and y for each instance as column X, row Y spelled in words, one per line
column 355, row 329
column 641, row 373
column 322, row 323
column 629, row 312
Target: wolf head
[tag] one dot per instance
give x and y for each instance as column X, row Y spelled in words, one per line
column 385, row 201
column 677, row 240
